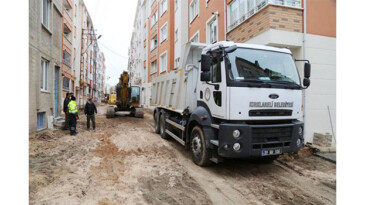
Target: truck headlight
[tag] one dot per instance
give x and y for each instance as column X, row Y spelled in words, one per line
column 236, row 146
column 300, row 130
column 236, row 133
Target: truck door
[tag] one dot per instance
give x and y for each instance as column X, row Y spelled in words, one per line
column 215, row 96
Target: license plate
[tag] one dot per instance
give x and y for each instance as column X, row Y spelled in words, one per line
column 273, row 151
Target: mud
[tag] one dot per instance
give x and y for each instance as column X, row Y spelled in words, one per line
column 125, row 162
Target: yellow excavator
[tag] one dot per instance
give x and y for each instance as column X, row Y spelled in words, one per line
column 127, row 99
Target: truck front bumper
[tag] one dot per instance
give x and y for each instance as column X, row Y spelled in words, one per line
column 256, row 139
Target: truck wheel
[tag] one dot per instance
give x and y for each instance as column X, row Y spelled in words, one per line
column 200, row 153
column 163, row 126
column 157, row 124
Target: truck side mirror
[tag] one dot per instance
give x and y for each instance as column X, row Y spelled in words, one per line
column 230, row 49
column 206, row 62
column 306, row 82
column 205, row 76
column 307, row 70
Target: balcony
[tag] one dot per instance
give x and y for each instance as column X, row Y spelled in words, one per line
column 266, row 14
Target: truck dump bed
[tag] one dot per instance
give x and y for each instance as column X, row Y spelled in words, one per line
column 170, row 90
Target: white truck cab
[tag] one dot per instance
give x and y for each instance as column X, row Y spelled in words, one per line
column 232, row 100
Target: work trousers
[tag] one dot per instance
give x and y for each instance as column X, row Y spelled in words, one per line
column 67, row 120
column 73, row 122
column 92, row 117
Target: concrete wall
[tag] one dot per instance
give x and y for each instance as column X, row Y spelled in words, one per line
column 321, row 51
column 44, row 43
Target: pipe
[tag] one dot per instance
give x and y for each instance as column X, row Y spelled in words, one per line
column 304, row 57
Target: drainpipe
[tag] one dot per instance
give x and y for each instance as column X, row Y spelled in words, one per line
column 225, row 20
column 304, row 57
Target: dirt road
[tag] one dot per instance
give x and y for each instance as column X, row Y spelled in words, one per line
column 125, row 162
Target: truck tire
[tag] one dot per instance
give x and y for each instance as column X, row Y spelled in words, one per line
column 110, row 112
column 157, row 123
column 162, row 125
column 201, row 154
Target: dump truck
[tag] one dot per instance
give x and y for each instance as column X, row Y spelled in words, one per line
column 232, row 100
column 127, row 98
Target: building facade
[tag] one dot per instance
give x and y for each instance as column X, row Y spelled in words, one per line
column 45, row 62
column 68, row 71
column 306, row 27
column 63, row 57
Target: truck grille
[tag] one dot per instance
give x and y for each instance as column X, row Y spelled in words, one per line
column 272, row 132
column 259, row 113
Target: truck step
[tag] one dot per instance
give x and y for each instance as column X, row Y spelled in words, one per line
column 216, row 159
column 214, row 142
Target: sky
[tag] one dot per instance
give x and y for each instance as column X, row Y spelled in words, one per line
column 113, row 19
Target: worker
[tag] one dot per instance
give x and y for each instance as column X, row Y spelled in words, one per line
column 72, row 110
column 90, row 110
column 65, row 110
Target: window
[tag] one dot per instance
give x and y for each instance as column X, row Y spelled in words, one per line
column 194, row 9
column 195, row 38
column 154, row 19
column 154, row 43
column 46, row 11
column 66, row 58
column 163, row 6
column 163, row 62
column 176, row 4
column 66, row 84
column 44, row 75
column 74, row 31
column 176, row 35
column 40, row 120
column 154, row 67
column 75, row 10
column 177, row 60
column 163, row 35
column 67, row 32
column 215, row 69
column 212, row 31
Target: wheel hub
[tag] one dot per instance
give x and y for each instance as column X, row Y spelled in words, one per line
column 196, row 145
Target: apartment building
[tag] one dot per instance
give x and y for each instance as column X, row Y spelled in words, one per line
column 160, row 30
column 206, row 21
column 64, row 56
column 45, row 62
column 68, row 72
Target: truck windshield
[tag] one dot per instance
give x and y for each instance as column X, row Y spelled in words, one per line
column 260, row 66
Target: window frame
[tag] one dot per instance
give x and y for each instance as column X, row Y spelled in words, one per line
column 153, row 68
column 44, row 75
column 155, row 18
column 161, row 62
column 161, row 7
column 46, row 24
column 196, row 3
column 155, row 44
column 196, row 34
column 165, row 26
column 210, row 21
